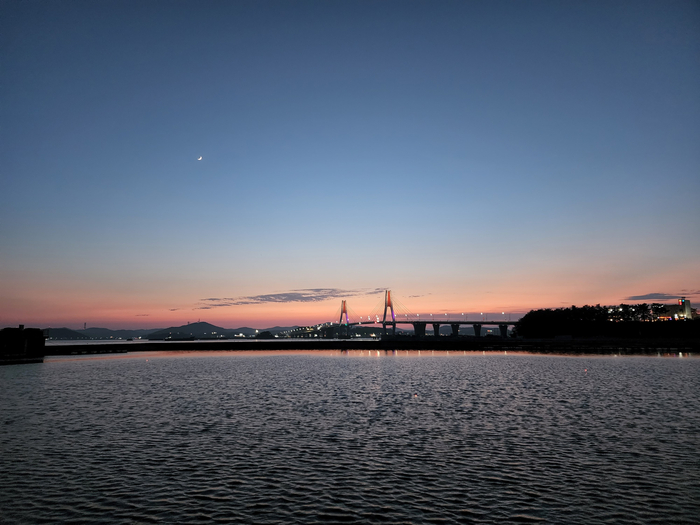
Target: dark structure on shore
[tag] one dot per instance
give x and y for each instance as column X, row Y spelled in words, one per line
column 639, row 321
column 20, row 345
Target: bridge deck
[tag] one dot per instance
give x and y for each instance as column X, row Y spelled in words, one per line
column 433, row 321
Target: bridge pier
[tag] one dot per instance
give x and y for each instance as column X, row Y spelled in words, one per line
column 436, row 329
column 504, row 330
column 419, row 329
column 455, row 329
column 477, row 329
column 393, row 327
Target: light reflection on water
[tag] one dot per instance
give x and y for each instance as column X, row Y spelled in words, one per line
column 283, row 437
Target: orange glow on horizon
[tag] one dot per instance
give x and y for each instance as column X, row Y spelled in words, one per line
column 57, row 306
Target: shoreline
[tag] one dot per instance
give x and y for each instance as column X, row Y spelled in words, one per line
column 545, row 346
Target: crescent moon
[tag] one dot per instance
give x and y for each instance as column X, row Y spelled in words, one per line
column 200, row 158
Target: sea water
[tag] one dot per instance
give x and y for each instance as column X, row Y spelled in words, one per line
column 352, row 437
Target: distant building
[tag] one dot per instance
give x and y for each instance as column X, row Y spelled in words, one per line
column 681, row 310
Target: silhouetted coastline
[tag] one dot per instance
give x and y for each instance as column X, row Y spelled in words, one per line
column 589, row 330
column 601, row 346
column 611, row 322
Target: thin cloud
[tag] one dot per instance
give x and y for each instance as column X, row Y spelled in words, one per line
column 307, row 295
column 656, row 296
column 174, row 309
column 142, row 315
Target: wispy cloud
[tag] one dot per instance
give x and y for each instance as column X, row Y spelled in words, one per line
column 174, row 309
column 659, row 296
column 307, row 295
column 142, row 315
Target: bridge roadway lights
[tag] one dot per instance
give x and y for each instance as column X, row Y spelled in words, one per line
column 436, row 329
column 477, row 329
column 504, row 330
column 455, row 330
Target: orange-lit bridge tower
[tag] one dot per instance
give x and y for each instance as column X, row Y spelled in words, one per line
column 344, row 312
column 388, row 304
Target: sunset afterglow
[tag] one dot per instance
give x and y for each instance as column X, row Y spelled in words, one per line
column 469, row 157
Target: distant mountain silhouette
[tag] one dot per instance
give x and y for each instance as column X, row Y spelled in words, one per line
column 200, row 330
column 64, row 333
column 245, row 330
column 203, row 330
column 278, row 329
column 106, row 333
column 252, row 331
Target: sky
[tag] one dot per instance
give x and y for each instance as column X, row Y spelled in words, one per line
column 472, row 157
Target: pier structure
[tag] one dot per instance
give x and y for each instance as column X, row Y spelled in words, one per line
column 21, row 345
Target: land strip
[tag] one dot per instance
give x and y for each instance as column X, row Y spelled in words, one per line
column 542, row 346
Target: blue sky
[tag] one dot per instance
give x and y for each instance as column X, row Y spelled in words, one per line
column 481, row 155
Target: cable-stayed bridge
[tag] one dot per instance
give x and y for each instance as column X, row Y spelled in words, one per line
column 390, row 313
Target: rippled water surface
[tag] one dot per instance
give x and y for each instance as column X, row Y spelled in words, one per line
column 285, row 438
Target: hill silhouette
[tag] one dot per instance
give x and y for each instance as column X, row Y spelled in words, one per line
column 106, row 333
column 204, row 330
column 64, row 333
column 199, row 330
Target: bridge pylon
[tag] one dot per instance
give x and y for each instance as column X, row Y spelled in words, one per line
column 344, row 312
column 389, row 304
